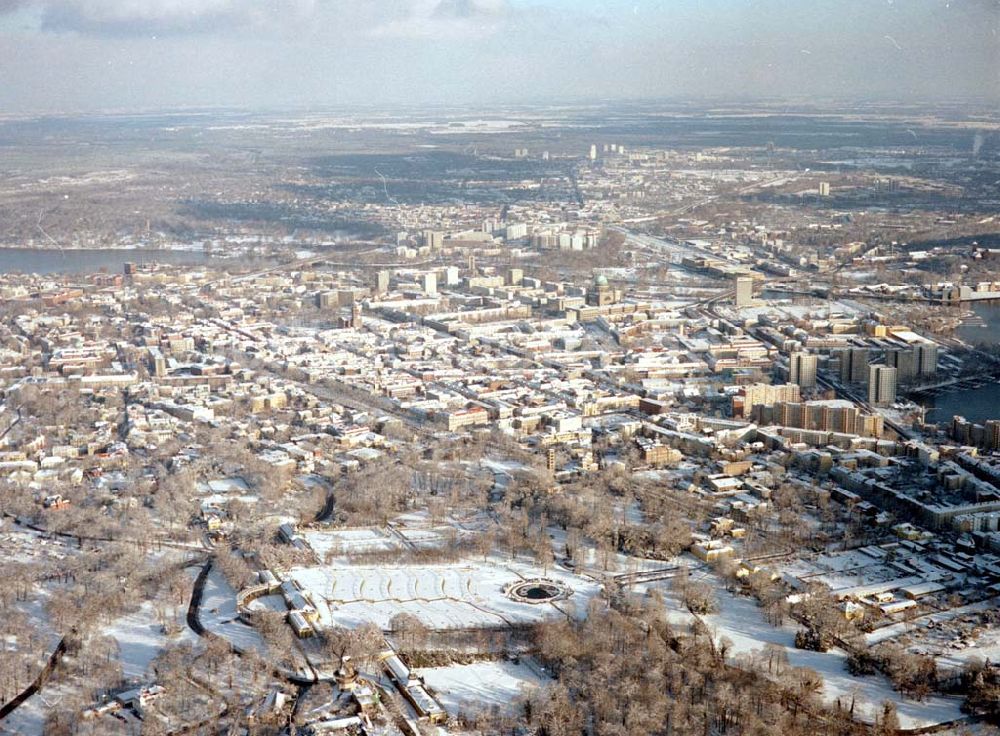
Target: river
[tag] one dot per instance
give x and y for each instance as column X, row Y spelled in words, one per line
column 975, row 404
column 988, row 329
column 25, row 260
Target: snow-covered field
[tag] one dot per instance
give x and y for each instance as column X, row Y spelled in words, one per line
column 502, row 466
column 469, row 688
column 447, row 596
column 29, row 718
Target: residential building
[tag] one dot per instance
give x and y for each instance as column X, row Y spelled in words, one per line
column 802, row 369
column 881, row 385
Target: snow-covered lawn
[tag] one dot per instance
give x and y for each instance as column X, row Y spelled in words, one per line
column 427, row 538
column 459, row 595
column 47, row 637
column 348, row 541
column 140, row 639
column 469, row 688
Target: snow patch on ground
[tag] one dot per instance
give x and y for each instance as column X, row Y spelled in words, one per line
column 218, row 614
column 469, row 688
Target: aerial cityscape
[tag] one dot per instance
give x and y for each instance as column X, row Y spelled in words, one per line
column 613, row 415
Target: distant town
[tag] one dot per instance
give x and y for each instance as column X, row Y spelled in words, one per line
column 665, row 419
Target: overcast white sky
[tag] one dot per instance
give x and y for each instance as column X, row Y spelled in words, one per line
column 78, row 55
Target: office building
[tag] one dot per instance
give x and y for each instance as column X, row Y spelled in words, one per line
column 870, row 425
column 593, row 153
column 824, row 189
column 961, row 429
column 985, row 435
column 881, row 385
column 382, row 282
column 430, row 284
column 744, row 291
column 802, row 369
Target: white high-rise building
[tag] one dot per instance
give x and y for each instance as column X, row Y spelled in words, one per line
column 744, row 291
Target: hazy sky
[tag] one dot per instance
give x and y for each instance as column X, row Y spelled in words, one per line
column 127, row 54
